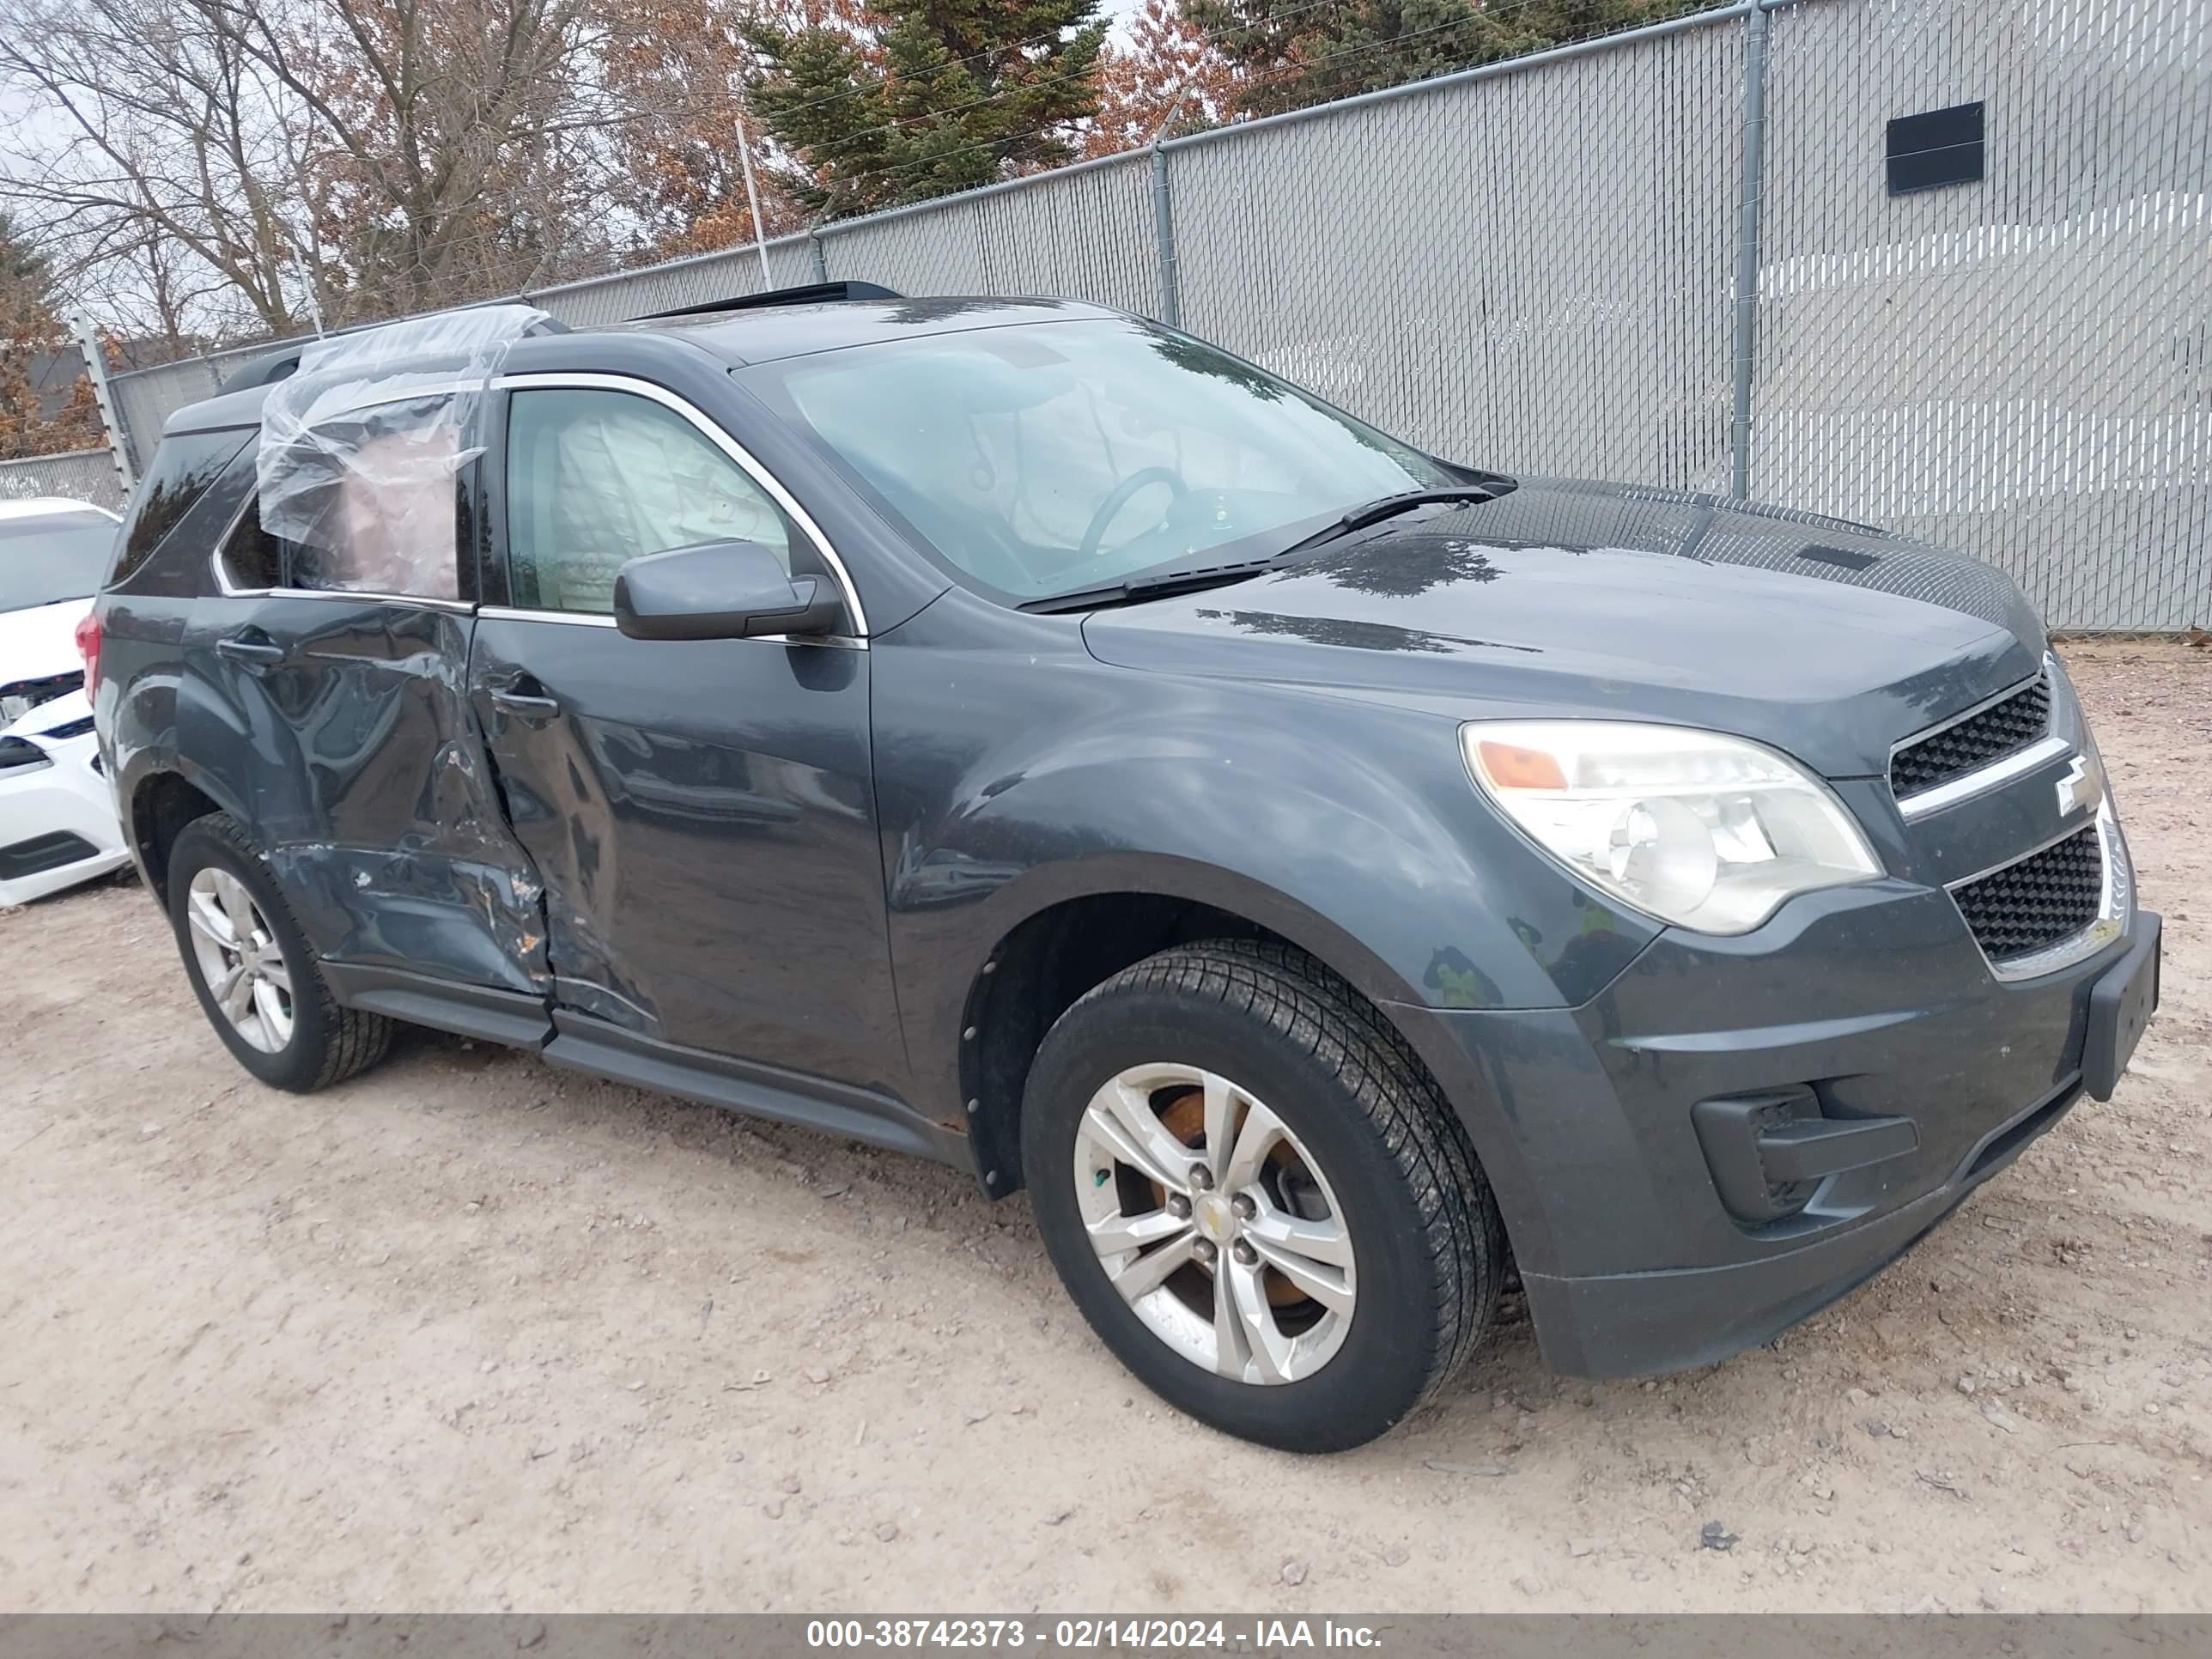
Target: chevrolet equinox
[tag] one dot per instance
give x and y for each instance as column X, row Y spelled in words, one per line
column 1331, row 879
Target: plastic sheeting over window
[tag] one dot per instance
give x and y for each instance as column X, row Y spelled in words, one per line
column 359, row 450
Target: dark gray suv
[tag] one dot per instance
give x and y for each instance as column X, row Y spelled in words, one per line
column 1331, row 879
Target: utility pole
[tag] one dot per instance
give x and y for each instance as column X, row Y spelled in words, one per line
column 1163, row 214
column 111, row 416
column 307, row 276
column 752, row 201
column 1746, row 247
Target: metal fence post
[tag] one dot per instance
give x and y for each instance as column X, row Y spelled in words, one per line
column 821, row 256
column 1163, row 237
column 1746, row 246
column 111, row 416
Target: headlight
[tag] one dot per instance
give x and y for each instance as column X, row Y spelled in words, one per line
column 1707, row 832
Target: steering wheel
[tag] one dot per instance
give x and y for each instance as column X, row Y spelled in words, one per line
column 1120, row 496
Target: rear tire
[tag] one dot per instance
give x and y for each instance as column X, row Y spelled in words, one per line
column 257, row 980
column 1342, row 1251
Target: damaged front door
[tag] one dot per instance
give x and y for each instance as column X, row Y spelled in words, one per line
column 324, row 696
column 701, row 811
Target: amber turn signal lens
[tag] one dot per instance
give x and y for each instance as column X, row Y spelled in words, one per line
column 1509, row 766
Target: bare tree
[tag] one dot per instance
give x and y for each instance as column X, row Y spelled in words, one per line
column 232, row 166
column 459, row 139
column 149, row 120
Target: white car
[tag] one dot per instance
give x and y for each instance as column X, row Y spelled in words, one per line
column 57, row 824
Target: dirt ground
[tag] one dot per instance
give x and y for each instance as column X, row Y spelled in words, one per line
column 468, row 1333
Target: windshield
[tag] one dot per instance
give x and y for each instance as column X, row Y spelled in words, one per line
column 52, row 557
column 1043, row 458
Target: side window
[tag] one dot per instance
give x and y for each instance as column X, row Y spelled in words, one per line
column 252, row 557
column 595, row 478
column 386, row 516
column 184, row 466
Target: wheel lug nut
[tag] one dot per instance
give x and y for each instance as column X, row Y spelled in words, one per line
column 1205, row 1251
column 1178, row 1205
column 1245, row 1255
column 1245, row 1208
column 1202, row 1178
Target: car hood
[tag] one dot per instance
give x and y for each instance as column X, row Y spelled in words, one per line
column 1825, row 640
column 40, row 642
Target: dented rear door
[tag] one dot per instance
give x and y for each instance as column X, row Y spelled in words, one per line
column 335, row 723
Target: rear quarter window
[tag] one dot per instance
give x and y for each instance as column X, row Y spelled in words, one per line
column 253, row 559
column 184, row 466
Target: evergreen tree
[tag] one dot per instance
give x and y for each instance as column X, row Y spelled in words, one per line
column 937, row 96
column 1291, row 53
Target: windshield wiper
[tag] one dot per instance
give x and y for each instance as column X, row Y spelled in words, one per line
column 1389, row 506
column 1188, row 580
column 1154, row 586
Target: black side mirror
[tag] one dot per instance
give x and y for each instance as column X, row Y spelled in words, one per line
column 721, row 591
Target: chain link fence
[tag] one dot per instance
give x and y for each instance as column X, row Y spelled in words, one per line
column 2020, row 367
column 84, row 475
column 1084, row 233
column 1529, row 269
column 1534, row 266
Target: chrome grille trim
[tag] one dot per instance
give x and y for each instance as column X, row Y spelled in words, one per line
column 2115, row 905
column 1995, row 775
column 1967, row 784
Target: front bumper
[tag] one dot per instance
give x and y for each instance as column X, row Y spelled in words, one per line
column 57, row 822
column 1632, row 1261
column 1638, row 1323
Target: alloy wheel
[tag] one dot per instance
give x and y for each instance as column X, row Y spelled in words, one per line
column 1215, row 1224
column 240, row 959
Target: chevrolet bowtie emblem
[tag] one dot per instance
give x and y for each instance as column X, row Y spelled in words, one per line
column 2082, row 788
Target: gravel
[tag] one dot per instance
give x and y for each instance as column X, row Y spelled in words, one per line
column 242, row 1360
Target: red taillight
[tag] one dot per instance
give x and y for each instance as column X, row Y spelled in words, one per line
column 88, row 646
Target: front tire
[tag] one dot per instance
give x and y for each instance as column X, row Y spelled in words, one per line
column 257, row 982
column 1258, row 1197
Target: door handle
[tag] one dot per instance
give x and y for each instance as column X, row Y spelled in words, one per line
column 253, row 650
column 531, row 708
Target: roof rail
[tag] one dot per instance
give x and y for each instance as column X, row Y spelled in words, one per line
column 808, row 293
column 283, row 363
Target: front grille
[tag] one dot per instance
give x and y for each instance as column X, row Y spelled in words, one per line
column 1974, row 742
column 2045, row 898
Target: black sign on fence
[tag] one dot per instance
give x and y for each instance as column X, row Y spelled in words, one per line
column 1943, row 147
